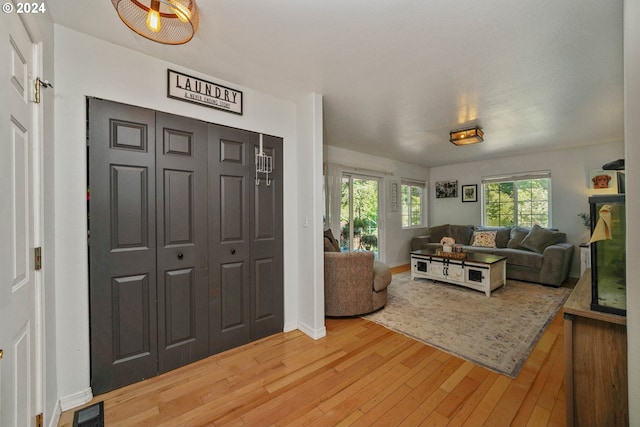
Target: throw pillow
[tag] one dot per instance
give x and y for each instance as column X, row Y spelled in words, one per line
column 539, row 238
column 328, row 245
column 503, row 234
column 329, row 235
column 517, row 235
column 484, row 239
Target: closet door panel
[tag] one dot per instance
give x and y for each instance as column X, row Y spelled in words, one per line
column 181, row 174
column 267, row 304
column 230, row 241
column 122, row 267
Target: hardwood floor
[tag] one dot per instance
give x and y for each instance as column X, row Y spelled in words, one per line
column 360, row 374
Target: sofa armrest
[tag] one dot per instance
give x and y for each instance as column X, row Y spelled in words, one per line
column 419, row 242
column 381, row 276
column 556, row 263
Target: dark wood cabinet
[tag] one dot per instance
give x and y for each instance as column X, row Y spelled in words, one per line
column 595, row 362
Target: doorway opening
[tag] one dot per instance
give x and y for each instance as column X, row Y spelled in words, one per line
column 360, row 214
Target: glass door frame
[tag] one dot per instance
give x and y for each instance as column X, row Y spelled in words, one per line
column 351, row 176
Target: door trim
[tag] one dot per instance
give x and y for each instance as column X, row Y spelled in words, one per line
column 353, row 174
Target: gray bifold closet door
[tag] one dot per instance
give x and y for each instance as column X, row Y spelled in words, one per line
column 185, row 250
column 245, row 259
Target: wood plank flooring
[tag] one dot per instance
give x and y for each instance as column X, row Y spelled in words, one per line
column 360, row 374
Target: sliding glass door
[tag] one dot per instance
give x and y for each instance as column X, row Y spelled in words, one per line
column 360, row 214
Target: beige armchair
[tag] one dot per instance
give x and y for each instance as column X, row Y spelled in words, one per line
column 354, row 283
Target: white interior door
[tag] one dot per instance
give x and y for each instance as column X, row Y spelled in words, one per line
column 18, row 374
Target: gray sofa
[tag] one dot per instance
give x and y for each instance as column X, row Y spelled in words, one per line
column 534, row 255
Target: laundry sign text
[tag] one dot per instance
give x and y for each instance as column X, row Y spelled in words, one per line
column 192, row 89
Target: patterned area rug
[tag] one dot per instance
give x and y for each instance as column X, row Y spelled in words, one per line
column 497, row 333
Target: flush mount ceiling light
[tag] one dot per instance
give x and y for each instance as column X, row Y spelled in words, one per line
column 466, row 136
column 163, row 21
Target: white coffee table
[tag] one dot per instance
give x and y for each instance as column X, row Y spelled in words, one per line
column 482, row 272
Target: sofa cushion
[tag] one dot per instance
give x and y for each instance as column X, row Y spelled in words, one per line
column 438, row 232
column 484, row 239
column 329, row 240
column 521, row 258
column 539, row 238
column 479, row 249
column 503, row 234
column 461, row 233
column 517, row 235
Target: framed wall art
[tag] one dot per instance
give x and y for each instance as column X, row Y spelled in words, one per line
column 603, row 181
column 446, row 189
column 470, row 193
column 394, row 196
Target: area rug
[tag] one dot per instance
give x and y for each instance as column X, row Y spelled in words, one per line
column 497, row 333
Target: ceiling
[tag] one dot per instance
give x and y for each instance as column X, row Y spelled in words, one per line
column 397, row 75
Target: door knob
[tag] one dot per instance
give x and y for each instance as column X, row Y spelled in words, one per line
column 233, row 251
column 180, row 255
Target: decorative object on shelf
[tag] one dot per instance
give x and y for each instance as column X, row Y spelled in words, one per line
column 470, row 193
column 466, row 136
column 446, row 189
column 603, row 181
column 447, row 244
column 163, row 21
column 453, row 254
column 264, row 165
column 616, row 165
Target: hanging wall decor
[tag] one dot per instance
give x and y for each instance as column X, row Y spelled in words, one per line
column 446, row 189
column 192, row 89
column 470, row 193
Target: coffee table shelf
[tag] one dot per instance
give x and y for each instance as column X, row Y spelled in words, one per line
column 482, row 272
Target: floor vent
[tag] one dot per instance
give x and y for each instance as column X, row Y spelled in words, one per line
column 91, row 416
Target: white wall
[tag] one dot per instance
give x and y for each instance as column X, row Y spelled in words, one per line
column 632, row 162
column 397, row 241
column 569, row 176
column 85, row 66
column 308, row 218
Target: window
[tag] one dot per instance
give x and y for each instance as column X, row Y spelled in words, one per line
column 518, row 200
column 412, row 199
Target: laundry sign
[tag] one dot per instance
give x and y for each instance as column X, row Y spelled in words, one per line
column 192, row 89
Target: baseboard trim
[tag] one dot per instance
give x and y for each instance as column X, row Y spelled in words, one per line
column 313, row 333
column 400, row 268
column 55, row 416
column 290, row 326
column 75, row 400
